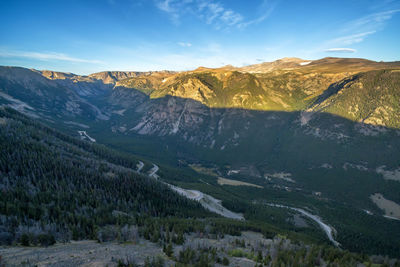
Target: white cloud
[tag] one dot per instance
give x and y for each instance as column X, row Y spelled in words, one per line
column 358, row 30
column 215, row 13
column 231, row 18
column 371, row 22
column 183, row 44
column 341, row 50
column 168, row 7
column 211, row 12
column 267, row 8
column 46, row 56
column 165, row 6
column 352, row 39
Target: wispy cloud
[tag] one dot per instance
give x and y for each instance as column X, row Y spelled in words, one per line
column 48, row 56
column 356, row 31
column 211, row 12
column 352, row 39
column 183, row 44
column 371, row 22
column 341, row 50
column 171, row 7
column 266, row 8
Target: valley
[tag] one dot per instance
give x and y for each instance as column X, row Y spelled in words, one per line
column 200, row 133
column 229, row 150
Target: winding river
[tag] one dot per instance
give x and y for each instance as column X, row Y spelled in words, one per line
column 214, row 205
column 326, row 228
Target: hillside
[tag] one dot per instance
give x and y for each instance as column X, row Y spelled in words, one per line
column 283, row 85
column 318, row 135
column 53, row 183
column 56, row 188
column 111, row 77
column 369, row 97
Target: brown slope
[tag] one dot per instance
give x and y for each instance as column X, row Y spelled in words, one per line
column 287, row 84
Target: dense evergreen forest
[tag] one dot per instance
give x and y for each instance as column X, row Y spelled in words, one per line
column 56, row 188
column 58, row 185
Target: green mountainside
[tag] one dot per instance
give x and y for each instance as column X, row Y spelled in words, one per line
column 319, row 135
column 56, row 188
column 369, row 97
column 67, row 186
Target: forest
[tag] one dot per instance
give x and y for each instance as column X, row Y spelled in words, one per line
column 56, row 188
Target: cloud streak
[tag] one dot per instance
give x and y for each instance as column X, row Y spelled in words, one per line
column 360, row 29
column 372, row 22
column 171, row 7
column 49, row 56
column 183, row 44
column 352, row 39
column 211, row 12
column 340, row 50
column 267, row 8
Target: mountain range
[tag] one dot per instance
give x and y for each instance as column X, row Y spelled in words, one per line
column 317, row 133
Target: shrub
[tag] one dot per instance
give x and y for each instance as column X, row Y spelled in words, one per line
column 46, row 239
column 6, row 238
column 24, row 240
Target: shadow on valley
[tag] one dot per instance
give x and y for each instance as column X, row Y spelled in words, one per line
column 323, row 162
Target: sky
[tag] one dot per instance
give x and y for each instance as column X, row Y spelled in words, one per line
column 88, row 36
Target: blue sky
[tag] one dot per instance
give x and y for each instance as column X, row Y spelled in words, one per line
column 89, row 36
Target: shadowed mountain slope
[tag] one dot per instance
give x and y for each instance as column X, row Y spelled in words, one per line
column 317, row 133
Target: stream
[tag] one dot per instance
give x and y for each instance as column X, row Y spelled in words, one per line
column 326, row 228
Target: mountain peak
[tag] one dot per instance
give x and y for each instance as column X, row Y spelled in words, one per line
column 290, row 59
column 202, row 68
column 283, row 63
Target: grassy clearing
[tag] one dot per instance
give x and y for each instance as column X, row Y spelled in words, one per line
column 224, row 181
column 391, row 208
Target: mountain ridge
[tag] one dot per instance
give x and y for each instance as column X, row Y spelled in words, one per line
column 316, row 135
column 119, row 75
column 275, row 88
